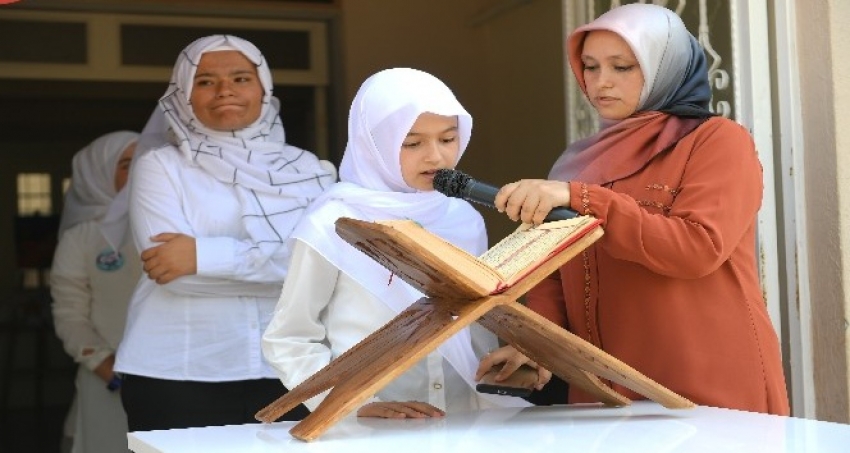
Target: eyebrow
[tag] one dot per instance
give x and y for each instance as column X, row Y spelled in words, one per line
column 448, row 129
column 236, row 72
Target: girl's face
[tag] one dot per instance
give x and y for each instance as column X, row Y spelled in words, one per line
column 226, row 93
column 612, row 75
column 431, row 144
column 122, row 169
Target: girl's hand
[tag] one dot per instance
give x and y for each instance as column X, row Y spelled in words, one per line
column 399, row 409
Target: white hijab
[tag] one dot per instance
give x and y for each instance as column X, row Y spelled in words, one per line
column 372, row 188
column 275, row 181
column 92, row 194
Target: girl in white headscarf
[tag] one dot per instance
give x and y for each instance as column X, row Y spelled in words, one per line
column 404, row 124
column 92, row 278
column 211, row 210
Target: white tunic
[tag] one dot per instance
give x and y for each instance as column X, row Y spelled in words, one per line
column 323, row 313
column 90, row 297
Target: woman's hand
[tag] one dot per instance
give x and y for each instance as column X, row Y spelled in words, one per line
column 104, row 369
column 512, row 360
column 530, row 200
column 399, row 409
column 174, row 258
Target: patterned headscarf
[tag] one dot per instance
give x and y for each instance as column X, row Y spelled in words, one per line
column 275, row 181
column 674, row 99
column 92, row 192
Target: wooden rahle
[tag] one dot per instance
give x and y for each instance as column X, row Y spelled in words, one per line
column 449, row 307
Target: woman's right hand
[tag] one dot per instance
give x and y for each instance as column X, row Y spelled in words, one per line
column 104, row 369
column 530, row 200
column 399, row 409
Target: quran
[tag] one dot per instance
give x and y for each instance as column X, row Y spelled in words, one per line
column 500, row 267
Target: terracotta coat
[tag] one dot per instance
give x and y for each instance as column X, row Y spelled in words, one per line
column 672, row 289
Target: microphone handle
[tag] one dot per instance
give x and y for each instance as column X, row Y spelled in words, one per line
column 485, row 194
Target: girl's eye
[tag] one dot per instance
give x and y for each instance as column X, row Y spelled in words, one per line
column 588, row 67
column 624, row 68
column 410, row 144
column 448, row 139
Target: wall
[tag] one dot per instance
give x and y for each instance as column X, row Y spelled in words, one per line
column 507, row 71
column 825, row 101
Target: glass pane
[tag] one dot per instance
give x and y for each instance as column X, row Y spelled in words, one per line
column 46, row 42
column 159, row 45
column 34, row 194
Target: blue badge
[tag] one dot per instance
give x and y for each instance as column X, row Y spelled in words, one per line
column 109, row 260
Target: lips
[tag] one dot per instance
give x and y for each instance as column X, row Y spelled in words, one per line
column 227, row 107
column 429, row 173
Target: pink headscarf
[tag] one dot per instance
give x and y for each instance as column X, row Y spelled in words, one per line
column 673, row 101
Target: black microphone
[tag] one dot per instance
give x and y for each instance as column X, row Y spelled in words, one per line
column 457, row 184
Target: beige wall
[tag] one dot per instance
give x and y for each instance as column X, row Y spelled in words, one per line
column 840, row 36
column 825, row 100
column 508, row 72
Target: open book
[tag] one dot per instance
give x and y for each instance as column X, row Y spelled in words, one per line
column 497, row 269
column 462, row 289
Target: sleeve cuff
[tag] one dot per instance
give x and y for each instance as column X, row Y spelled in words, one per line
column 91, row 361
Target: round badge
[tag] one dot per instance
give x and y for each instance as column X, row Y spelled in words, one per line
column 109, row 260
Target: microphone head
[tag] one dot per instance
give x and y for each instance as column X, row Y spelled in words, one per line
column 451, row 183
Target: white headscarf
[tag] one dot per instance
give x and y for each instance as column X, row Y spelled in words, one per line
column 372, row 188
column 275, row 181
column 92, row 194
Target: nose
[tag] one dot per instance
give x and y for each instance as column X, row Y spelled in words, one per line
column 433, row 151
column 224, row 89
column 606, row 79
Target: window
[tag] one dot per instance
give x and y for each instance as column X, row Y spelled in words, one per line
column 34, row 197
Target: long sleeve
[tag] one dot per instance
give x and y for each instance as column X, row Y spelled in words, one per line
column 71, row 290
column 684, row 229
column 170, row 196
column 296, row 342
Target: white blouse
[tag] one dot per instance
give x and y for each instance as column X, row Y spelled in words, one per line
column 323, row 312
column 91, row 290
column 208, row 326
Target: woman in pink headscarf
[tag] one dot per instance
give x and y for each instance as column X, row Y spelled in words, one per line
column 672, row 289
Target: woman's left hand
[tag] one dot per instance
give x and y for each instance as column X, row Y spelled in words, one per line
column 173, row 258
column 512, row 360
column 530, row 200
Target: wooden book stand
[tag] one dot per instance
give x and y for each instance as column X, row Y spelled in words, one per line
column 367, row 367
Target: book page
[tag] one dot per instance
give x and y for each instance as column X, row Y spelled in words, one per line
column 529, row 245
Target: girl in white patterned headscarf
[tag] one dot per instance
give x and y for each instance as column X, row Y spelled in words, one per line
column 404, row 124
column 212, row 206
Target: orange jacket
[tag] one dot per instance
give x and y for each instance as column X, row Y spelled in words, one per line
column 672, row 289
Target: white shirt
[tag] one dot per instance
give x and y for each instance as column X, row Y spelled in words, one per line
column 322, row 313
column 91, row 291
column 208, row 326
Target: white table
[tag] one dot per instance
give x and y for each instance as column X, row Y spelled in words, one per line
column 641, row 427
